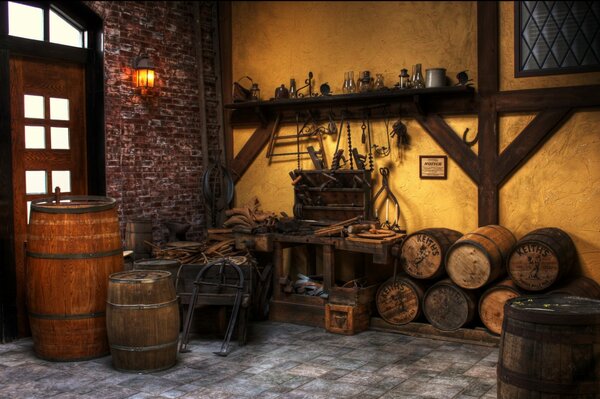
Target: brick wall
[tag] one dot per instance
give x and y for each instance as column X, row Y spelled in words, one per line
column 153, row 142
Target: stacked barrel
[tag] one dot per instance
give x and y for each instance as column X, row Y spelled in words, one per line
column 452, row 280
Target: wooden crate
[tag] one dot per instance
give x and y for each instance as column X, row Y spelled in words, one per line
column 353, row 296
column 348, row 320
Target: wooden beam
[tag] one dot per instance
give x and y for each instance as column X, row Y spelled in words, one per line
column 487, row 48
column 539, row 130
column 557, row 97
column 251, row 149
column 443, row 134
column 488, row 203
column 226, row 72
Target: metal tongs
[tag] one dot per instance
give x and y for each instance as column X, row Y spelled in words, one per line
column 385, row 185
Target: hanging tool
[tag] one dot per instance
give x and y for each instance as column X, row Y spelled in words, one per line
column 359, row 160
column 382, row 151
column 221, row 277
column 350, row 145
column 385, row 185
column 399, row 130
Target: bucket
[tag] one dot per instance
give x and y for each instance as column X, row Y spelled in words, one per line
column 169, row 265
column 142, row 319
column 479, row 257
column 448, row 307
column 423, row 252
column 72, row 248
column 136, row 232
column 491, row 304
column 399, row 300
column 549, row 348
column 542, row 258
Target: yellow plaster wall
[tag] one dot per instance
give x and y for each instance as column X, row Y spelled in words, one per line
column 559, row 186
column 274, row 41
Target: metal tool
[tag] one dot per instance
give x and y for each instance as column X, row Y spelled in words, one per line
column 199, row 280
column 385, row 185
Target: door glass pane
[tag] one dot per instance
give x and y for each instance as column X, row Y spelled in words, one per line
column 34, row 106
column 62, row 179
column 59, row 109
column 35, row 137
column 35, row 182
column 25, row 21
column 62, row 32
column 59, row 138
column 28, row 211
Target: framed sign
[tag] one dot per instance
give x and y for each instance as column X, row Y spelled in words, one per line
column 433, row 166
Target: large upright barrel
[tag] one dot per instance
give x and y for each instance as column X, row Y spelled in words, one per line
column 549, row 348
column 72, row 247
column 478, row 258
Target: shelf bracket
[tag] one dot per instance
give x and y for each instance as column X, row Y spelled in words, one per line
column 418, row 104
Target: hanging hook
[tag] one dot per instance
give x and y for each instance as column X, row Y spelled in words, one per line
column 472, row 142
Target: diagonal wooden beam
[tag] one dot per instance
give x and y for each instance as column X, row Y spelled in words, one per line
column 445, row 136
column 556, row 97
column 252, row 148
column 539, row 130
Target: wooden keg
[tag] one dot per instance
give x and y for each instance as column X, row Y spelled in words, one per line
column 541, row 258
column 423, row 252
column 579, row 286
column 448, row 307
column 479, row 257
column 142, row 318
column 549, row 348
column 137, row 231
column 72, row 248
column 168, row 265
column 491, row 304
column 399, row 299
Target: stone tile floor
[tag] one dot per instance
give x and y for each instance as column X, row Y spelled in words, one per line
column 280, row 361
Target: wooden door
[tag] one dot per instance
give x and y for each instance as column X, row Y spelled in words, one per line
column 48, row 136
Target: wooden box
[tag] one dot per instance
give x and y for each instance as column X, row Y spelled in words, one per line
column 353, row 296
column 348, row 320
column 317, row 197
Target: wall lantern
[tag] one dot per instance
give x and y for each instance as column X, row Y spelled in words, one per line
column 144, row 72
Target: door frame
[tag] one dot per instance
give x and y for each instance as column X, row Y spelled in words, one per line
column 93, row 60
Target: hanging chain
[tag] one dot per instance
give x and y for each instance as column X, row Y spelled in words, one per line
column 349, row 145
column 298, row 138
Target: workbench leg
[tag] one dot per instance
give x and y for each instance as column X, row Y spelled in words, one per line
column 278, row 270
column 328, row 267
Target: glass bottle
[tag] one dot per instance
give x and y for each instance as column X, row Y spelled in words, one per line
column 417, row 79
column 345, row 84
column 379, row 82
column 351, row 84
column 404, row 79
column 292, row 91
column 255, row 92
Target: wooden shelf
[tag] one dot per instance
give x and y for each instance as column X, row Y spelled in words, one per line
column 446, row 100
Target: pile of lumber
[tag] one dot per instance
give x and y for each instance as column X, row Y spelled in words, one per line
column 196, row 252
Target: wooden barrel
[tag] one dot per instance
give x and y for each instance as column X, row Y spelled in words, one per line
column 423, row 252
column 136, row 232
column 478, row 258
column 72, row 248
column 448, row 307
column 491, row 304
column 168, row 265
column 142, row 318
column 399, row 299
column 549, row 348
column 541, row 258
column 579, row 286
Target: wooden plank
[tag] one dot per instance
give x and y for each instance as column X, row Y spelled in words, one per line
column 477, row 336
column 487, row 47
column 539, row 130
column 556, row 97
column 488, row 196
column 225, row 68
column 443, row 134
column 328, row 267
column 250, row 151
